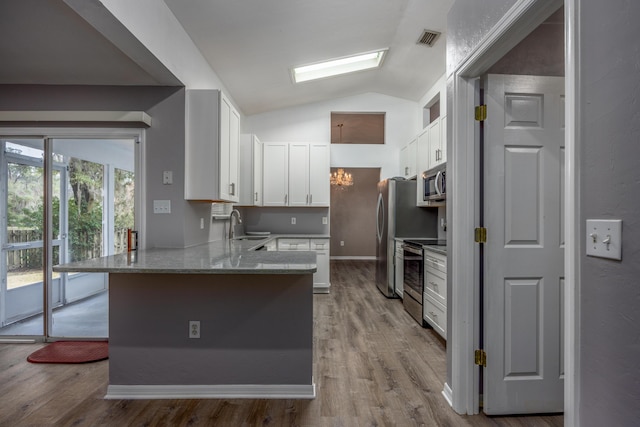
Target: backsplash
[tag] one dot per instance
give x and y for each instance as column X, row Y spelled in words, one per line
column 278, row 220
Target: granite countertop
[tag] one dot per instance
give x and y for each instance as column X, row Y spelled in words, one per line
column 440, row 249
column 220, row 257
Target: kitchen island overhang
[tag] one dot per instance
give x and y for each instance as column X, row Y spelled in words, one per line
column 256, row 323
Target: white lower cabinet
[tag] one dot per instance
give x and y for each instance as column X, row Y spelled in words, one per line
column 321, row 281
column 399, row 270
column 435, row 291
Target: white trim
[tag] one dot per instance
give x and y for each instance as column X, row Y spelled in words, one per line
column 572, row 215
column 356, row 258
column 124, row 117
column 447, row 393
column 231, row 391
column 463, row 268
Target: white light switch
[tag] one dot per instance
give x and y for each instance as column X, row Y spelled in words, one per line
column 604, row 238
column 162, row 206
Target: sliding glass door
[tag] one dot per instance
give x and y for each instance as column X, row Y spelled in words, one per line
column 92, row 205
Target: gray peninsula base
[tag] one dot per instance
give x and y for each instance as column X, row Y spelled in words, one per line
column 256, row 335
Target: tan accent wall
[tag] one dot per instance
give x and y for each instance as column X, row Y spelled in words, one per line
column 353, row 214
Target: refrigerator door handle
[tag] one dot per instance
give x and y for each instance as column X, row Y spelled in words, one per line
column 380, row 209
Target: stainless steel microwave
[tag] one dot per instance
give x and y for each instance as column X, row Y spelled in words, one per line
column 435, row 185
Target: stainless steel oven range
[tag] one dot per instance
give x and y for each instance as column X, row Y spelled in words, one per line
column 414, row 276
column 413, row 280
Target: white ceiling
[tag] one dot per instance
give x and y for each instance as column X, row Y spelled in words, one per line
column 251, row 45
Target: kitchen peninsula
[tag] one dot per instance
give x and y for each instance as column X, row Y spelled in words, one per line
column 255, row 314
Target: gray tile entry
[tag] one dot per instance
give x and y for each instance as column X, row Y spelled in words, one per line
column 88, row 318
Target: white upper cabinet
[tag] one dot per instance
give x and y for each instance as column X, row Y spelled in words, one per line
column 296, row 174
column 275, row 181
column 437, row 142
column 423, row 152
column 299, row 174
column 319, row 161
column 211, row 147
column 408, row 159
column 250, row 170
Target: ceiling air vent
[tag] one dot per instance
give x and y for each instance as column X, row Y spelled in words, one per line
column 428, row 38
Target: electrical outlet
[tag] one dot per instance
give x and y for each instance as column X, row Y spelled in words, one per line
column 293, row 220
column 324, row 220
column 194, row 329
column 167, row 177
column 341, row 242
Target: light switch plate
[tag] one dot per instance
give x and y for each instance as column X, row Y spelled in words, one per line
column 167, row 177
column 604, row 238
column 162, row 206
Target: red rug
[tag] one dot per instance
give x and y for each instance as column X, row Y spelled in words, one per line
column 71, row 352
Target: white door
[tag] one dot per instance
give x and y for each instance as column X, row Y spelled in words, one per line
column 524, row 253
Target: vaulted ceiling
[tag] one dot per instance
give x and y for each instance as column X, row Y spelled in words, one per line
column 250, row 44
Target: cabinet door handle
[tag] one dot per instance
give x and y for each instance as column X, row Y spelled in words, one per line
column 285, row 198
column 310, row 199
column 307, row 202
column 406, row 170
column 256, row 198
column 232, row 189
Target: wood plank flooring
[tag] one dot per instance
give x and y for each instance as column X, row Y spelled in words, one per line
column 373, row 366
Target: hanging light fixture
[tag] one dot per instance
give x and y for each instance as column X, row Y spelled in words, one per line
column 341, row 178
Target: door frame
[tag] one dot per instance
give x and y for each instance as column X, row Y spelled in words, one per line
column 136, row 134
column 464, row 269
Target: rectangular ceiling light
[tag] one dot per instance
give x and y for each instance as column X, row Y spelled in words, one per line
column 335, row 67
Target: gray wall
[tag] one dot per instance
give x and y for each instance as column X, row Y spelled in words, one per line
column 164, row 150
column 610, row 143
column 353, row 214
column 467, row 23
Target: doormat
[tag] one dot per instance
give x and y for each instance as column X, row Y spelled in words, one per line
column 71, row 352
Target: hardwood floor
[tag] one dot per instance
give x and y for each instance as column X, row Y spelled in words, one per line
column 373, row 366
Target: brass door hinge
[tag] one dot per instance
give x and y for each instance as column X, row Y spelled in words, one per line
column 480, row 235
column 481, row 113
column 481, row 358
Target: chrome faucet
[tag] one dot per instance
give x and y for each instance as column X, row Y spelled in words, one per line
column 239, row 221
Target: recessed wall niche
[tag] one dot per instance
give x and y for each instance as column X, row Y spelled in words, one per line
column 357, row 128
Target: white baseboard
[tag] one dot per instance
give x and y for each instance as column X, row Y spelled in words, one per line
column 356, row 258
column 448, row 394
column 236, row 391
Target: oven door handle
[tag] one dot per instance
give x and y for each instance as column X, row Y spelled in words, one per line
column 412, row 249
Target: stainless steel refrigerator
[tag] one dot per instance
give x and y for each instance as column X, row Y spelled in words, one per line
column 398, row 216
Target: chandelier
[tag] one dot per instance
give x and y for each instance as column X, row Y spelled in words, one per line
column 341, row 178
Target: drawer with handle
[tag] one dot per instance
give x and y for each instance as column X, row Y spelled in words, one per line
column 435, row 285
column 436, row 315
column 293, row 245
